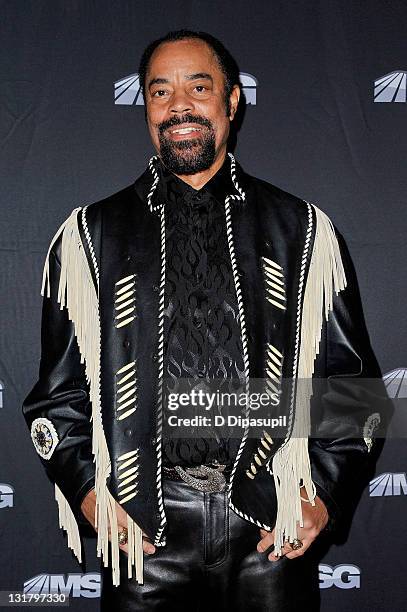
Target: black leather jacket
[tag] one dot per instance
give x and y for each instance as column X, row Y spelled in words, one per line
column 124, row 230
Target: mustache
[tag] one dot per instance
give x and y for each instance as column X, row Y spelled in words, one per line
column 164, row 125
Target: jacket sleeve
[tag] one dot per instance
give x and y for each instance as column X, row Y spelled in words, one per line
column 350, row 408
column 58, row 409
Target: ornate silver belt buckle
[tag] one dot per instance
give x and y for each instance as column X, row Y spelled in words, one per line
column 209, row 480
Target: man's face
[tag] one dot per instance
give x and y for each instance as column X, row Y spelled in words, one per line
column 186, row 107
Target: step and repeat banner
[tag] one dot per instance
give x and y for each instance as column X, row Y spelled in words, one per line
column 325, row 119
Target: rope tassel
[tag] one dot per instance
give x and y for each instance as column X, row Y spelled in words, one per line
column 67, row 521
column 77, row 293
column 291, row 465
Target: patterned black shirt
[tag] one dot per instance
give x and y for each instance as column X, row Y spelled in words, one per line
column 202, row 337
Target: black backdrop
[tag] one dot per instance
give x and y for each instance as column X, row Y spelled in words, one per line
column 316, row 130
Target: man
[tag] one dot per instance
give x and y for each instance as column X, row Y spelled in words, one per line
column 201, row 272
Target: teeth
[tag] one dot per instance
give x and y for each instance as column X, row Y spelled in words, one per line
column 185, row 130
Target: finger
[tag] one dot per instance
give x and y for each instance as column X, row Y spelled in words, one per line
column 284, row 551
column 293, row 554
column 306, row 543
column 148, row 546
column 266, row 541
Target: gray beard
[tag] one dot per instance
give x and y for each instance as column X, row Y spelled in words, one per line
column 188, row 156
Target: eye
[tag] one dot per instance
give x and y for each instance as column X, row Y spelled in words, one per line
column 159, row 91
column 200, row 88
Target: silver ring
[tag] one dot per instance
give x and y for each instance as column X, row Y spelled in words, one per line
column 296, row 544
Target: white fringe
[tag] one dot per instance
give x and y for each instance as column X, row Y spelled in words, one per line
column 77, row 293
column 291, row 463
column 68, row 522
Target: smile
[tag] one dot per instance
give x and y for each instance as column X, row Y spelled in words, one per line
column 187, row 130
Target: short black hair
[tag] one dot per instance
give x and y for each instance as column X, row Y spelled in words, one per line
column 225, row 60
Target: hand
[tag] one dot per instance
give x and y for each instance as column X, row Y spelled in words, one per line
column 315, row 519
column 88, row 507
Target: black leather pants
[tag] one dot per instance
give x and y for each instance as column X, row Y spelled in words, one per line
column 210, row 562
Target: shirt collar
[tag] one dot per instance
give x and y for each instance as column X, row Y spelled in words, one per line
column 220, row 185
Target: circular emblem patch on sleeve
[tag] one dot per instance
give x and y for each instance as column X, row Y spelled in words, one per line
column 44, row 437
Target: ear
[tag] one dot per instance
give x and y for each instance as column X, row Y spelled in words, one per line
column 234, row 101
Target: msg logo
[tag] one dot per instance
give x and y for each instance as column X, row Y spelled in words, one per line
column 6, row 495
column 341, row 576
column 74, row 585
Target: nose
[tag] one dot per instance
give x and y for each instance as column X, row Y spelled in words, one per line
column 180, row 102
